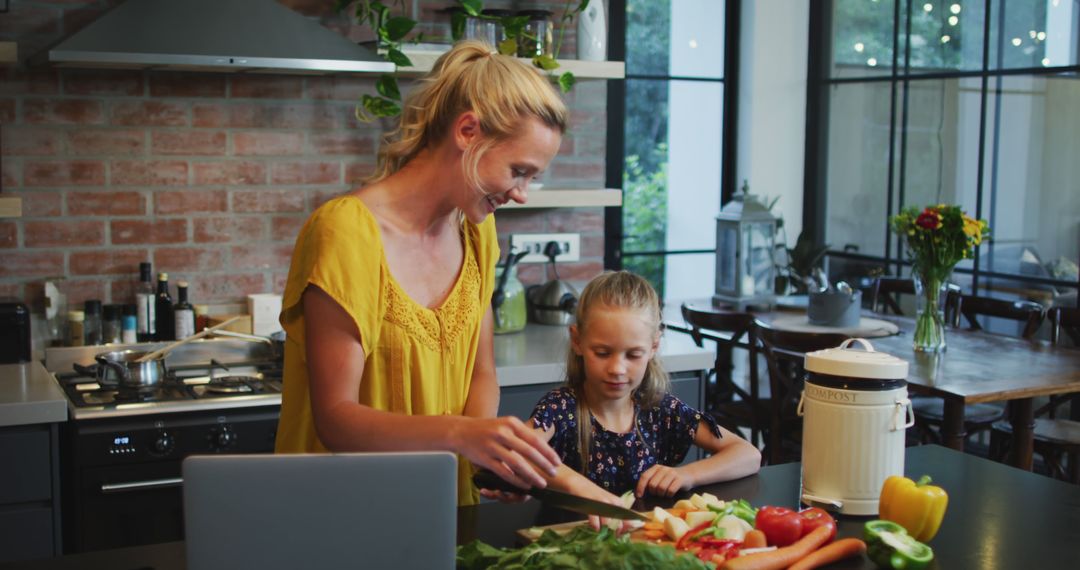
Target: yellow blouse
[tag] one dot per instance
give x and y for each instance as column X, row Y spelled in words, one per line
column 418, row 361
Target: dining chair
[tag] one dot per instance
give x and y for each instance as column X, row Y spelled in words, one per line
column 785, row 352
column 885, row 297
column 978, row 418
column 733, row 406
column 1056, row 439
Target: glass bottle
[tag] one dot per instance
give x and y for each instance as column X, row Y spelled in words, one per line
column 183, row 312
column 163, row 311
column 129, row 324
column 202, row 317
column 76, row 334
column 92, row 322
column 536, row 38
column 145, row 321
column 111, row 325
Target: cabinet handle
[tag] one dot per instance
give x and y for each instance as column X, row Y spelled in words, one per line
column 141, row 485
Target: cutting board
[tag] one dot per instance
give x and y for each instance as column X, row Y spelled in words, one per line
column 563, row 528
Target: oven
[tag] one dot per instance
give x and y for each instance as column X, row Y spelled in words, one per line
column 121, row 451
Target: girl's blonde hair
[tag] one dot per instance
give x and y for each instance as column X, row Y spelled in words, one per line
column 501, row 90
column 625, row 290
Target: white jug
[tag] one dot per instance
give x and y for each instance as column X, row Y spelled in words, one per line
column 855, row 412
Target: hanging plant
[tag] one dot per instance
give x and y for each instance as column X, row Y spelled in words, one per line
column 391, row 32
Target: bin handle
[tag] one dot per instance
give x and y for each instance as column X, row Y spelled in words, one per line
column 799, row 409
column 898, row 412
column 865, row 344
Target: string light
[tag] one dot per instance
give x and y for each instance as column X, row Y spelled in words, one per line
column 953, row 20
column 1017, row 41
column 872, row 62
column 945, row 39
column 955, row 8
column 693, row 44
column 1041, row 36
column 928, row 7
column 1046, row 62
column 859, row 47
column 1033, row 34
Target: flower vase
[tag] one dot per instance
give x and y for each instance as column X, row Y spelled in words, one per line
column 931, row 290
column 592, row 33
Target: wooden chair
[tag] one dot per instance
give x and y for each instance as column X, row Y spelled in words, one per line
column 1057, row 440
column 930, row 412
column 785, row 351
column 731, row 405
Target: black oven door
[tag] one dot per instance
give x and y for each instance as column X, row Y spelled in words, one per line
column 126, row 505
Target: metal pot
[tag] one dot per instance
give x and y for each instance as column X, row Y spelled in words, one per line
column 127, row 372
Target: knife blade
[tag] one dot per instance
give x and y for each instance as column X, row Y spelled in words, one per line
column 485, row 479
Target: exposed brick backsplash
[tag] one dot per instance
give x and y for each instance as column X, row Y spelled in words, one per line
column 209, row 176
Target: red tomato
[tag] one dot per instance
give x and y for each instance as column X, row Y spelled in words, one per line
column 781, row 526
column 814, row 517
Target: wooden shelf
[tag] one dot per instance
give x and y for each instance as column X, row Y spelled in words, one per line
column 9, row 52
column 424, row 60
column 569, row 198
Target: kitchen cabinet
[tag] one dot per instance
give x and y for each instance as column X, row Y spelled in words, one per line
column 29, row 492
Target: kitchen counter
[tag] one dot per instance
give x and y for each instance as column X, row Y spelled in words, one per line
column 537, row 355
column 30, row 395
column 998, row 517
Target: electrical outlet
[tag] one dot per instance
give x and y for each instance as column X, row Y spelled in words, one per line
column 569, row 246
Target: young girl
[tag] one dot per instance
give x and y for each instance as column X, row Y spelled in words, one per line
column 614, row 425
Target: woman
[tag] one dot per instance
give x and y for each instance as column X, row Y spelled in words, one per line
column 387, row 305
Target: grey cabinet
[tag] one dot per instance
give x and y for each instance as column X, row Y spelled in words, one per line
column 29, row 493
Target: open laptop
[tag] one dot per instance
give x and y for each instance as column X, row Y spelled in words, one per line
column 354, row 510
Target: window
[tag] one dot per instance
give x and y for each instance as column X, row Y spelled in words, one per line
column 968, row 102
column 668, row 151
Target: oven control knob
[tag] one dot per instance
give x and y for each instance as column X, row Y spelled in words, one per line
column 164, row 444
column 222, row 438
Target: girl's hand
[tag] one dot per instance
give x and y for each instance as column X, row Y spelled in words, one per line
column 596, row 521
column 507, row 447
column 663, row 480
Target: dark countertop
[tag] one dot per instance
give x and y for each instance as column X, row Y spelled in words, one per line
column 998, row 517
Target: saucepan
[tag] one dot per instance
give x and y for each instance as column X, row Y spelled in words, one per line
column 126, row 369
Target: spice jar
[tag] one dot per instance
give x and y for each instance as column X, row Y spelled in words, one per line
column 111, row 325
column 536, row 37
column 128, row 324
column 92, row 322
column 76, row 331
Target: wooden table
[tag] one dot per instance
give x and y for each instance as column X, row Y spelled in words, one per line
column 976, row 367
column 998, row 517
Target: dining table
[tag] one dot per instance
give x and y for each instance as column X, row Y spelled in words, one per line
column 997, row 517
column 975, row 367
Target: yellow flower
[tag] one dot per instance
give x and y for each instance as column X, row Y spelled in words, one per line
column 973, row 229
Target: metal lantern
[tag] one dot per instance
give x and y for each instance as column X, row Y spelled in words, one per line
column 745, row 241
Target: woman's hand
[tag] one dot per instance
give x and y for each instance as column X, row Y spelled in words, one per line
column 663, row 480
column 506, row 447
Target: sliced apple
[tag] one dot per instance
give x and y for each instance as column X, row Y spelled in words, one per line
column 675, row 527
column 695, row 518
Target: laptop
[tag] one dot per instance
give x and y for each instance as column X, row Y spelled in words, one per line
column 351, row 510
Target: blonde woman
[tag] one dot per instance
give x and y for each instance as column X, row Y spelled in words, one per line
column 387, row 305
column 614, row 424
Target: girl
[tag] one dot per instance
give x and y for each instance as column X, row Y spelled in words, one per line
column 614, row 425
column 387, row 307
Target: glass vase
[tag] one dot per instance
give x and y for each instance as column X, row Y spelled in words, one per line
column 931, row 290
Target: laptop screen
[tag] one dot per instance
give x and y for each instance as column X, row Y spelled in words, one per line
column 353, row 510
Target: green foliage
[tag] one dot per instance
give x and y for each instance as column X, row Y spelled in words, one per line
column 581, row 548
column 567, row 81
column 645, row 214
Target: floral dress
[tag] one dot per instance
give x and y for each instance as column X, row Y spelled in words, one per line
column 664, row 435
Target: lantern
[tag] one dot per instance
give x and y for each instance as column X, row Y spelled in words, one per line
column 745, row 241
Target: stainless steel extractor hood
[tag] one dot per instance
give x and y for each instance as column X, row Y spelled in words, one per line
column 212, row 35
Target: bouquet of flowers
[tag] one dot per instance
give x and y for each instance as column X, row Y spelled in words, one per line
column 937, row 238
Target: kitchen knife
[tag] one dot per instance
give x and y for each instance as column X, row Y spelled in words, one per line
column 485, row 479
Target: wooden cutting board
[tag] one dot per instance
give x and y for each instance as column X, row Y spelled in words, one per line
column 563, row 528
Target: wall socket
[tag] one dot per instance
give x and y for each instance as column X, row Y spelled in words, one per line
column 569, row 245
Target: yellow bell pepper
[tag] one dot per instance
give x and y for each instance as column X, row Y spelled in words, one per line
column 916, row 506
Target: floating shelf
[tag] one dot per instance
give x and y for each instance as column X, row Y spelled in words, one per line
column 424, row 60
column 569, row 198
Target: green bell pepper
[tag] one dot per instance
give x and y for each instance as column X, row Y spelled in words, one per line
column 890, row 546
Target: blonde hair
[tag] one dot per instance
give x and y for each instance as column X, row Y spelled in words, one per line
column 625, row 290
column 501, row 90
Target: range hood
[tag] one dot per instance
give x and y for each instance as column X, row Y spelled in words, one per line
column 212, row 35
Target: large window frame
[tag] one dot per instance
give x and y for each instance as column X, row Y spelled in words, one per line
column 616, row 134
column 817, row 135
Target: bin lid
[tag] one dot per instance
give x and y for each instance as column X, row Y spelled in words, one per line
column 852, row 363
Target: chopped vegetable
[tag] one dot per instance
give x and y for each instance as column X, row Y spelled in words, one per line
column 916, row 506
column 675, row 527
column 740, row 508
column 580, row 548
column 890, row 546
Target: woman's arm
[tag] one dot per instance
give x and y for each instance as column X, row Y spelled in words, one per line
column 335, row 362
column 732, row 457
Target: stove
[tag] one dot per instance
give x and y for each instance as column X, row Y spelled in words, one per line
column 121, row 451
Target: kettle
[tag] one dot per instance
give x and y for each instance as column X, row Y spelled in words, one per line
column 508, row 300
column 554, row 302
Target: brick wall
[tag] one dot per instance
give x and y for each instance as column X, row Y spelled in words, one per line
column 208, row 176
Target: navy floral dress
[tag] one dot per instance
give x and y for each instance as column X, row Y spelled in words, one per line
column 664, row 435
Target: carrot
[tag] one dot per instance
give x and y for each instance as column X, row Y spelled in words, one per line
column 754, row 539
column 653, row 525
column 654, row 534
column 681, row 513
column 781, row 557
column 839, row 550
